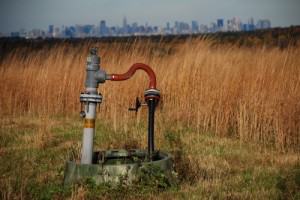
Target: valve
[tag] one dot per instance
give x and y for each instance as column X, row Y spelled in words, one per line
column 138, row 105
column 82, row 114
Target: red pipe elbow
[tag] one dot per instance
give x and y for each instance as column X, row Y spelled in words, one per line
column 132, row 70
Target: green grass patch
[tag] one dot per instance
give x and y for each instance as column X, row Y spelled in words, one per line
column 33, row 153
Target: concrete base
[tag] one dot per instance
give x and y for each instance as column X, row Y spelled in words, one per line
column 112, row 166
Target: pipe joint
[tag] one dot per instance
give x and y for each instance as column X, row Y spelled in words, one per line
column 94, row 74
column 100, row 76
column 152, row 94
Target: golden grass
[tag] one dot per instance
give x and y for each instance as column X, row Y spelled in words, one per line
column 251, row 94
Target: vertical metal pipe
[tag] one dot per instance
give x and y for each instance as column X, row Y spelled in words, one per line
column 151, row 108
column 88, row 134
column 94, row 76
column 89, row 129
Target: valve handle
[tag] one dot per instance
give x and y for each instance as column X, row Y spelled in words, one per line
column 138, row 104
column 82, row 114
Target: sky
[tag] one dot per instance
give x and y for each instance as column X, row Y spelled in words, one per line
column 29, row 14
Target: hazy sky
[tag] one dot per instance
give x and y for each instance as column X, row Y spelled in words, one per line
column 28, row 14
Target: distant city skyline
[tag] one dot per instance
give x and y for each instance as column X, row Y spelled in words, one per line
column 103, row 29
column 38, row 14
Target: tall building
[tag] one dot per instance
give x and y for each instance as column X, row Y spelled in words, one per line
column 203, row 28
column 103, row 30
column 213, row 27
column 168, row 26
column 251, row 26
column 88, row 30
column 134, row 27
column 15, row 34
column 182, row 28
column 56, row 32
column 263, row 24
column 125, row 26
column 70, row 32
column 167, row 30
column 195, row 27
column 176, row 27
column 234, row 24
column 50, row 30
column 124, row 22
column 220, row 23
column 23, row 33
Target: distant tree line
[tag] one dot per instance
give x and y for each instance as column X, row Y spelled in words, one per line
column 280, row 37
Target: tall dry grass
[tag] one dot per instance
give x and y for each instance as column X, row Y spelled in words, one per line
column 251, row 94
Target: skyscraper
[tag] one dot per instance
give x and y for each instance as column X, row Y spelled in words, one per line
column 251, row 26
column 220, row 24
column 263, row 24
column 50, row 30
column 124, row 22
column 234, row 24
column 125, row 26
column 103, row 30
column 195, row 27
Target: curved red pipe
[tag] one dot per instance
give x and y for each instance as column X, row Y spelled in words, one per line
column 132, row 70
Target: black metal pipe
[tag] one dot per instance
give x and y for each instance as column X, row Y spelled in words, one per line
column 151, row 108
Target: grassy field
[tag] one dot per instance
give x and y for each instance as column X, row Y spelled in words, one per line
column 229, row 115
column 34, row 151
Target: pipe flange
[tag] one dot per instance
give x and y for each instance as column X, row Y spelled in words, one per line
column 152, row 94
column 90, row 98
